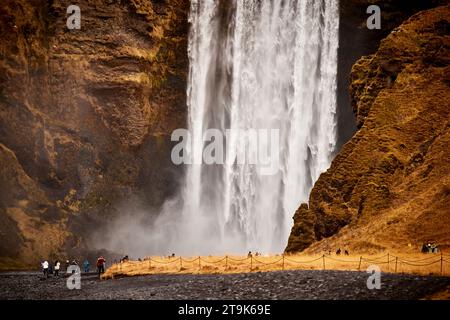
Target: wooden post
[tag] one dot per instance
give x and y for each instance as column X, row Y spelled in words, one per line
column 181, row 263
column 283, row 262
column 323, row 258
column 360, row 261
column 396, row 262
column 226, row 262
column 388, row 263
column 442, row 264
column 199, row 263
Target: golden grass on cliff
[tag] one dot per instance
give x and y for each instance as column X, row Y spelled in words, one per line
column 409, row 263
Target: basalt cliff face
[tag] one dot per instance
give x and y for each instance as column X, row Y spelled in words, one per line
column 85, row 117
column 389, row 186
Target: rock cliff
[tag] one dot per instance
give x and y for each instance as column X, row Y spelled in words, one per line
column 355, row 41
column 389, row 186
column 85, row 117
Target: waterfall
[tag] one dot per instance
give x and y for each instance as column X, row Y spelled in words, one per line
column 254, row 64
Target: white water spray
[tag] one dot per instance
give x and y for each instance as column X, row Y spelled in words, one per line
column 254, row 65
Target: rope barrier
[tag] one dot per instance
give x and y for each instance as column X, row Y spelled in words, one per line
column 303, row 262
column 379, row 258
column 378, row 262
column 420, row 260
column 340, row 260
column 190, row 261
column 164, row 262
column 267, row 263
column 391, row 259
column 420, row 265
column 213, row 262
column 237, row 260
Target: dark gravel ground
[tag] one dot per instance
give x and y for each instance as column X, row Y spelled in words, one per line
column 290, row 285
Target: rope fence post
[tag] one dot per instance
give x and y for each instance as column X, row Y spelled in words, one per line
column 226, row 262
column 199, row 263
column 323, row 259
column 181, row 263
column 360, row 261
column 283, row 263
column 396, row 262
column 388, row 262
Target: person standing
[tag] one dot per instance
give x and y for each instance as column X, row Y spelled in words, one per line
column 45, row 268
column 86, row 266
column 56, row 268
column 50, row 268
column 101, row 265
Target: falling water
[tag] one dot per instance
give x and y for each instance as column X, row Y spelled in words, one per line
column 255, row 65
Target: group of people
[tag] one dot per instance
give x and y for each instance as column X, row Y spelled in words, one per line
column 250, row 254
column 430, row 248
column 339, row 251
column 48, row 268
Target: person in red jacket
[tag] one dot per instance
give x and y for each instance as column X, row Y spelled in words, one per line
column 101, row 265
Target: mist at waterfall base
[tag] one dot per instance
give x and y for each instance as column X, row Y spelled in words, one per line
column 253, row 65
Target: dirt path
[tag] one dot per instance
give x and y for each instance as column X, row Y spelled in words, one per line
column 272, row 285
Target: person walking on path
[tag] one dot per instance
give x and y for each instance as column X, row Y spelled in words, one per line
column 56, row 268
column 101, row 265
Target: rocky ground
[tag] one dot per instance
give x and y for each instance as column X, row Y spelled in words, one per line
column 290, row 285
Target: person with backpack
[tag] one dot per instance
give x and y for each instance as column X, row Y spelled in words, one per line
column 101, row 265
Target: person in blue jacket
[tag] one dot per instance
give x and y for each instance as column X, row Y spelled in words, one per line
column 86, row 266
